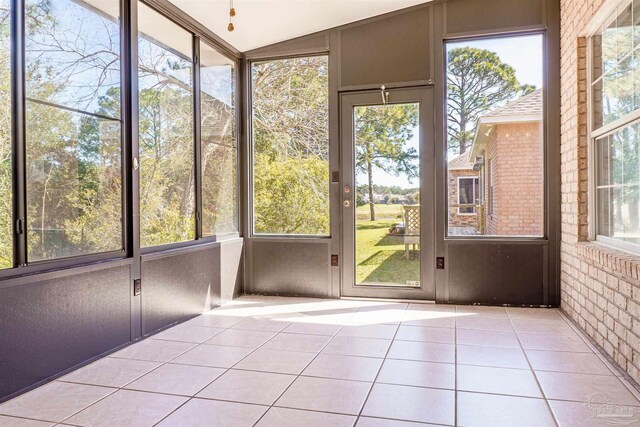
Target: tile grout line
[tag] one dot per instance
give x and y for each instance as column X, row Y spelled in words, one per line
column 535, row 376
column 375, row 379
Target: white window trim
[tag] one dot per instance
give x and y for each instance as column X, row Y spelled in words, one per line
column 601, row 17
column 474, row 195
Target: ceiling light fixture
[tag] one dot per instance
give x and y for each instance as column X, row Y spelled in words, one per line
column 232, row 13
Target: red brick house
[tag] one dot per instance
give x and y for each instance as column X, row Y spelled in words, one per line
column 506, row 156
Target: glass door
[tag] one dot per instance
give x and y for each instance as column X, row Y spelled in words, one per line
column 387, row 194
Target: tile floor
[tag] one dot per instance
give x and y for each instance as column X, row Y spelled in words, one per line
column 279, row 362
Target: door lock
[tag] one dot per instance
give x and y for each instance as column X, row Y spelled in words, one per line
column 346, row 203
column 347, row 189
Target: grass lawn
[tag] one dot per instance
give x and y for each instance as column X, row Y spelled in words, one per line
column 380, row 257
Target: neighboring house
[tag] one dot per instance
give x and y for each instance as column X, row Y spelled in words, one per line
column 463, row 190
column 501, row 173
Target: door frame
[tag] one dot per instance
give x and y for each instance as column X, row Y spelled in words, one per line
column 348, row 100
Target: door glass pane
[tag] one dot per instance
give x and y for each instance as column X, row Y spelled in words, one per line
column 167, row 187
column 6, row 244
column 387, row 177
column 73, row 129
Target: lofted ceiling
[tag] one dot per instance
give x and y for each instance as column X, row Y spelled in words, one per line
column 260, row 23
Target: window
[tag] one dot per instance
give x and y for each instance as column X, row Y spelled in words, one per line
column 467, row 195
column 615, row 107
column 219, row 143
column 166, row 100
column 495, row 137
column 291, row 146
column 6, row 199
column 73, row 128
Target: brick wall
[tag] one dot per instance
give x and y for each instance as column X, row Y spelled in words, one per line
column 517, row 172
column 600, row 287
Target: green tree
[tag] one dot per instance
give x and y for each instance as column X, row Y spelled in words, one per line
column 477, row 82
column 382, row 134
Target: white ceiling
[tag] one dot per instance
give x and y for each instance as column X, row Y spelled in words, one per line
column 263, row 22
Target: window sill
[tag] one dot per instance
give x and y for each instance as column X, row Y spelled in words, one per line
column 622, row 264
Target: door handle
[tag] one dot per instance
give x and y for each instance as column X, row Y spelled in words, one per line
column 346, row 203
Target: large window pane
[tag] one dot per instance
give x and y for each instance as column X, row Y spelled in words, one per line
column 6, row 235
column 167, row 195
column 219, row 183
column 495, row 137
column 74, row 187
column 291, row 146
column 618, row 185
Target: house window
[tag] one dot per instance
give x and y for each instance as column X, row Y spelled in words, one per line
column 467, row 195
column 166, row 105
column 614, row 51
column 495, row 114
column 72, row 128
column 290, row 123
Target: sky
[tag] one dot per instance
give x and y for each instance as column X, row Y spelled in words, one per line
column 524, row 53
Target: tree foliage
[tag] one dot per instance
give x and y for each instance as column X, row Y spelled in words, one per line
column 477, row 82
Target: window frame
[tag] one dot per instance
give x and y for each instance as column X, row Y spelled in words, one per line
column 129, row 143
column 474, row 179
column 251, row 158
column 593, row 134
column 546, row 139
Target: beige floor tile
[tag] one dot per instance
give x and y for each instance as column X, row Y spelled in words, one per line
column 262, row 388
column 579, row 414
column 297, row 342
column 326, row 395
column 54, row 401
column 111, row 372
column 215, row 356
column 268, row 325
column 543, row 326
column 311, row 328
column 241, row 338
column 484, row 323
column 553, row 342
column 277, row 361
column 582, row 388
column 487, row 338
column 22, row 422
column 481, row 310
column 410, row 404
column 153, row 350
column 428, row 306
column 284, row 417
column 214, row 413
column 214, row 320
column 383, row 307
column 184, row 380
column 128, row 408
column 435, row 319
column 424, row 334
column 420, row 374
column 563, row 361
column 354, row 346
column 498, row 357
column 536, row 314
column 482, row 379
column 490, row 410
column 344, row 367
column 187, row 333
column 369, row 331
column 381, row 422
column 422, row 351
column 379, row 317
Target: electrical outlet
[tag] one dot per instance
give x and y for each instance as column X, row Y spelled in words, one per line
column 440, row 263
column 334, row 260
column 137, row 287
